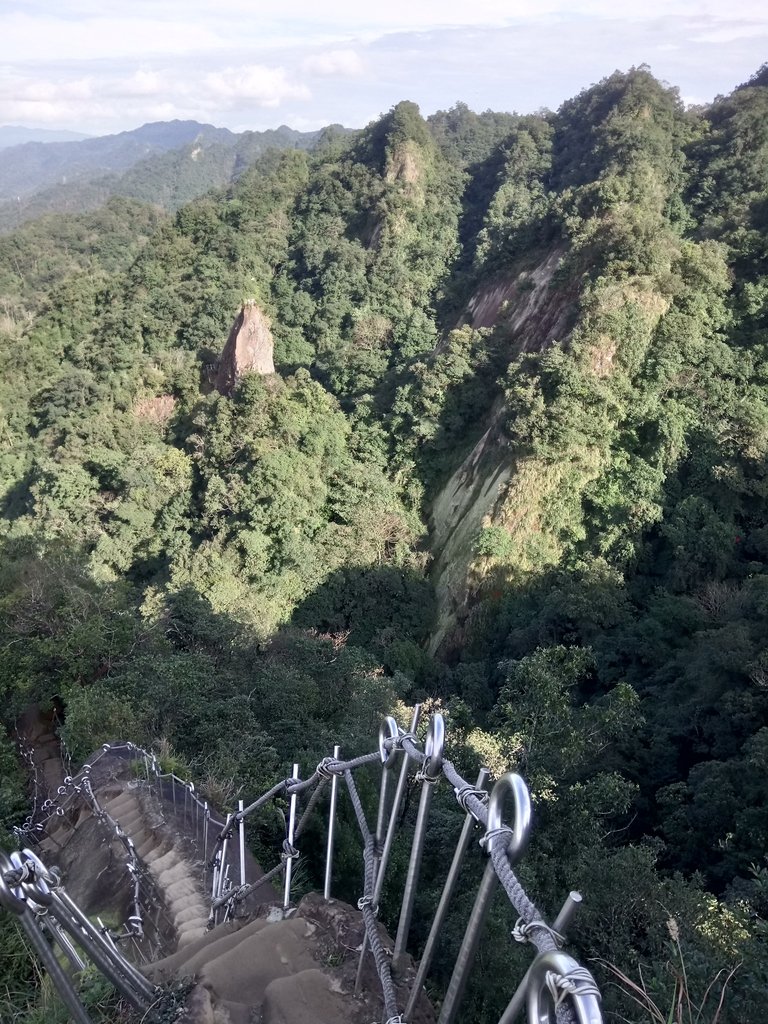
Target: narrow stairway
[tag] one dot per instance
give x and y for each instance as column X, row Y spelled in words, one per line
column 167, row 859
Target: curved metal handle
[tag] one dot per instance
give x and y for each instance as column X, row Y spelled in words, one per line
column 547, row 970
column 521, row 829
column 388, row 731
column 433, row 747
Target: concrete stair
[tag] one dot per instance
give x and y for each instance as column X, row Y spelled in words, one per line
column 172, row 869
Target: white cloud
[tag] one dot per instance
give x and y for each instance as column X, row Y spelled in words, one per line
column 264, row 86
column 145, row 95
column 334, row 64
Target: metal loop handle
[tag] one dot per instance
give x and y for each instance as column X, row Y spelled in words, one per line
column 520, row 832
column 433, row 748
column 388, row 731
column 555, row 977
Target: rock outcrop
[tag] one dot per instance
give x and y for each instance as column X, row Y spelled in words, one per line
column 249, row 348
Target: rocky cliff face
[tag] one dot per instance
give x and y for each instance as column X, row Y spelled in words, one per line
column 249, row 348
column 536, row 314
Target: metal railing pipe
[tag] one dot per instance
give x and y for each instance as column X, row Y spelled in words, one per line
column 402, row 782
column 466, row 954
column 56, row 972
column 331, row 829
column 291, row 834
column 433, row 749
column 241, row 830
column 445, row 899
column 392, row 826
column 514, row 840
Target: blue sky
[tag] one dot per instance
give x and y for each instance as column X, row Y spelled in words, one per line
column 99, row 66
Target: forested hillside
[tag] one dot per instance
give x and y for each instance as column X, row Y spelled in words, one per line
column 512, row 463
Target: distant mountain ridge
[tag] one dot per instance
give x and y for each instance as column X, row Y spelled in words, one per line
column 17, row 135
column 33, row 165
column 166, row 162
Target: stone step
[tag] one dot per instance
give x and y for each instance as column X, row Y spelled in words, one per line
column 242, row 974
column 121, row 805
column 162, row 862
column 155, row 847
column 309, row 997
column 170, row 965
column 191, row 931
column 237, row 1013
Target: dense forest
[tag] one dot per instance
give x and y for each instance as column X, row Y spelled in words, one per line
column 512, row 464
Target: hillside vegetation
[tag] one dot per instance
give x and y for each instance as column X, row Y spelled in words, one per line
column 513, row 464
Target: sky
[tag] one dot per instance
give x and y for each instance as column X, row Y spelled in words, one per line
column 98, row 66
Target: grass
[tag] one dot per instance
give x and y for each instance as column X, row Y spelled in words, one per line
column 685, row 1007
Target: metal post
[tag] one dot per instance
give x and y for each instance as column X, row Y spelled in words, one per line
column 399, row 792
column 59, row 935
column 388, row 736
column 241, row 826
column 445, row 899
column 509, row 784
column 433, row 749
column 223, row 865
column 86, row 934
column 562, row 921
column 331, row 829
column 388, row 840
column 291, row 829
column 206, row 816
column 469, row 944
column 57, row 974
column 215, row 876
column 110, row 965
column 173, row 791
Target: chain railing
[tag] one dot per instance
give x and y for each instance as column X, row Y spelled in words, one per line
column 555, row 988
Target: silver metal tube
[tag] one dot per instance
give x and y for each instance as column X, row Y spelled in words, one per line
column 433, row 749
column 562, row 921
column 223, row 865
column 445, row 899
column 107, row 934
column 399, row 792
column 379, row 834
column 125, row 966
column 135, row 988
column 59, row 936
column 241, row 830
column 56, row 972
column 331, row 829
column 291, row 831
column 412, row 878
column 469, row 944
column 402, row 782
column 215, row 876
